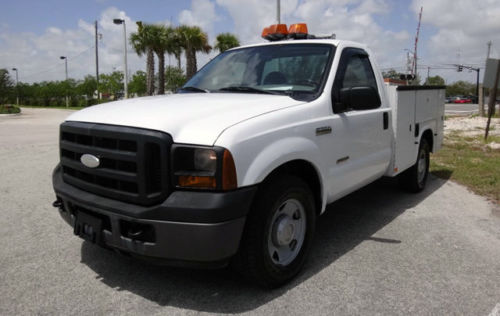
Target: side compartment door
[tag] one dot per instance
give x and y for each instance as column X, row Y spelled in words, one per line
column 361, row 141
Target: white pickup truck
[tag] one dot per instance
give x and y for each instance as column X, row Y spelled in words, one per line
column 238, row 166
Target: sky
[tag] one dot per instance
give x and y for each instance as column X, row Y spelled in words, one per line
column 34, row 34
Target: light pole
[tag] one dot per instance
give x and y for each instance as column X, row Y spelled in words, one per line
column 17, row 88
column 117, row 22
column 66, row 70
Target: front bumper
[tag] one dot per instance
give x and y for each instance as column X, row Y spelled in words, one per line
column 188, row 228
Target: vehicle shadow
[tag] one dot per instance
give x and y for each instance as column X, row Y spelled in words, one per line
column 347, row 223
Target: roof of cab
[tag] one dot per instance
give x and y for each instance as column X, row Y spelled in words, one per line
column 334, row 42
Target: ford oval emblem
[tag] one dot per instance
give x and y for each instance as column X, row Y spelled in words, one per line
column 90, row 161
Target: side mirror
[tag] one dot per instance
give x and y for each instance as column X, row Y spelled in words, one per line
column 359, row 98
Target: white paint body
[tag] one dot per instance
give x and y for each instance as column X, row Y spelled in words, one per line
column 264, row 132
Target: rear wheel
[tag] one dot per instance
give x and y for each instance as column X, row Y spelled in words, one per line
column 278, row 233
column 415, row 177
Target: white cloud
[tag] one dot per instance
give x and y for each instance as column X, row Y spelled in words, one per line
column 202, row 14
column 352, row 20
column 452, row 31
column 463, row 27
column 37, row 56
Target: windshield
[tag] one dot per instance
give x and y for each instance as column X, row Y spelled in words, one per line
column 298, row 70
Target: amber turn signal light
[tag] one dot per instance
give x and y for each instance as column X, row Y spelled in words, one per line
column 197, row 182
column 229, row 180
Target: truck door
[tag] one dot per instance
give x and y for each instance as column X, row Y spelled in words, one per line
column 360, row 147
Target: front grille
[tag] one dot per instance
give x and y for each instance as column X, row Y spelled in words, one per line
column 133, row 162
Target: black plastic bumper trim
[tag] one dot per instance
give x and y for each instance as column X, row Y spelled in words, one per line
column 184, row 244
column 180, row 206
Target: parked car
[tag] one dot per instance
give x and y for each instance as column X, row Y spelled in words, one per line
column 462, row 99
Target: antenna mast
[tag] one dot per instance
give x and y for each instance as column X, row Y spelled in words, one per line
column 414, row 66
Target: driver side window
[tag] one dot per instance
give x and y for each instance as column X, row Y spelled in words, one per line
column 355, row 85
column 359, row 73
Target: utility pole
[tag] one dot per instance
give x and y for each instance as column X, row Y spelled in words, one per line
column 17, row 88
column 66, row 70
column 492, row 101
column 97, row 60
column 481, row 102
column 278, row 11
column 428, row 71
column 414, row 70
column 121, row 21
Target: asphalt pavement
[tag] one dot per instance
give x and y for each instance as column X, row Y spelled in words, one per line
column 461, row 108
column 378, row 251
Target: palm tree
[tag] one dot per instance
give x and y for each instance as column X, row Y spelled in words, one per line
column 142, row 42
column 175, row 45
column 161, row 45
column 226, row 41
column 193, row 40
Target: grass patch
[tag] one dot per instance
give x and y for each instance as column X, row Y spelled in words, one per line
column 469, row 161
column 53, row 107
column 9, row 109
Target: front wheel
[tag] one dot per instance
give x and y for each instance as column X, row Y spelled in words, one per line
column 414, row 179
column 278, row 233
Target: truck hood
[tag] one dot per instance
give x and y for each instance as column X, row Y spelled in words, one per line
column 195, row 118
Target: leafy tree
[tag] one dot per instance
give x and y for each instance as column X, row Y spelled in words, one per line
column 460, row 88
column 143, row 41
column 391, row 74
column 26, row 93
column 174, row 78
column 6, row 86
column 435, row 81
column 111, row 84
column 138, row 83
column 193, row 40
column 226, row 41
column 87, row 87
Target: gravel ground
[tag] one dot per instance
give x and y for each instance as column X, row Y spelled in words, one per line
column 473, row 126
column 378, row 251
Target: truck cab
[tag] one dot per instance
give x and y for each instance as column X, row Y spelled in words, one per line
column 237, row 167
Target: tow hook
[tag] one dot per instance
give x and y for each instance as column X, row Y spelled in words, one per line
column 57, row 203
column 135, row 233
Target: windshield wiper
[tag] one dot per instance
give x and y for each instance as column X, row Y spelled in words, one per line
column 194, row 89
column 247, row 90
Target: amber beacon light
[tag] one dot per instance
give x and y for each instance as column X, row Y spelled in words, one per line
column 298, row 30
column 275, row 32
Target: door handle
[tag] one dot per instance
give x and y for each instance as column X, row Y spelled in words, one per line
column 342, row 159
column 323, row 130
column 386, row 120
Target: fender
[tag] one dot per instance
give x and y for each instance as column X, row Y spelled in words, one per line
column 428, row 126
column 280, row 152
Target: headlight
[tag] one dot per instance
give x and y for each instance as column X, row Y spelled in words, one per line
column 205, row 160
column 197, row 167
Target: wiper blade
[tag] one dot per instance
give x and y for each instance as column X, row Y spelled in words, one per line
column 194, row 89
column 246, row 89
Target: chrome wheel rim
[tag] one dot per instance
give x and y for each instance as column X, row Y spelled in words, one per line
column 286, row 232
column 421, row 166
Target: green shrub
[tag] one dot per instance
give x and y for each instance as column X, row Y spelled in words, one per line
column 9, row 109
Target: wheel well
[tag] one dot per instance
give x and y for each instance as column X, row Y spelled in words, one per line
column 306, row 171
column 427, row 135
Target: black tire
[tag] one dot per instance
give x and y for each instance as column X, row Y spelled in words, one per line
column 414, row 179
column 253, row 259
